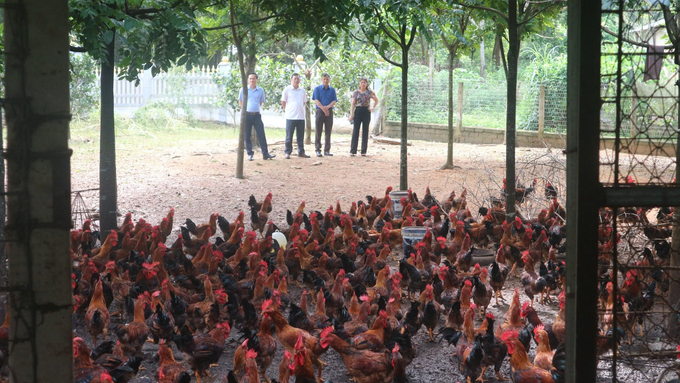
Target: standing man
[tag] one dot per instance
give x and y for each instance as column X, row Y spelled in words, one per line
column 293, row 100
column 325, row 98
column 253, row 117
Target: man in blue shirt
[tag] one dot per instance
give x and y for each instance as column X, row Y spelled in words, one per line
column 325, row 99
column 253, row 117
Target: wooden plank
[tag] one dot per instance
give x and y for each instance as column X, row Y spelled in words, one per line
column 389, row 141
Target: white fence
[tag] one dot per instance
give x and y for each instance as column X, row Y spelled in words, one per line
column 198, row 91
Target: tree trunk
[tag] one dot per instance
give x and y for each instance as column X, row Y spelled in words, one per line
column 403, row 169
column 482, row 58
column 242, row 124
column 449, row 154
column 108, row 188
column 513, row 55
column 244, row 86
column 496, row 56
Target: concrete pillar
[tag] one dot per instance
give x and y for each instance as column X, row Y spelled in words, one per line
column 38, row 172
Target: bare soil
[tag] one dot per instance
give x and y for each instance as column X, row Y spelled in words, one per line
column 196, row 177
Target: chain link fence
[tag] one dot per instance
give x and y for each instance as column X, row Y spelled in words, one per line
column 637, row 260
column 484, row 104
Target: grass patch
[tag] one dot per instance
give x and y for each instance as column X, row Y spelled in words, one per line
column 146, row 134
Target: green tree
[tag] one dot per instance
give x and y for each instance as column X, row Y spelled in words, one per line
column 520, row 18
column 390, row 26
column 145, row 34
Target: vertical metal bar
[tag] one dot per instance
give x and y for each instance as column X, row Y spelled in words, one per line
column 617, row 146
column 583, row 121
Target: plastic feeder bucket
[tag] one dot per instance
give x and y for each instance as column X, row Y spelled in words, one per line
column 396, row 197
column 411, row 236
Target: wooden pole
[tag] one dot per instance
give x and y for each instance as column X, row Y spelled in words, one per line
column 583, row 121
column 541, row 111
column 459, row 120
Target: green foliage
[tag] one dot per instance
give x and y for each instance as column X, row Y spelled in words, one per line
column 84, row 85
column 154, row 34
column 346, row 66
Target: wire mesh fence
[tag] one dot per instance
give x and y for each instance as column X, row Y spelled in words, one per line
column 639, row 283
column 484, row 104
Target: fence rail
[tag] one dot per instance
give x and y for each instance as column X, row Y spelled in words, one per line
column 195, row 88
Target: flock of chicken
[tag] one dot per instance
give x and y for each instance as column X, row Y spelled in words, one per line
column 194, row 292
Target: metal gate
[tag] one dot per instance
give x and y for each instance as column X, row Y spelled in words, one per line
column 637, row 279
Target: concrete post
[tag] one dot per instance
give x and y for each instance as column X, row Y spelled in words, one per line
column 38, row 173
column 459, row 119
column 541, row 111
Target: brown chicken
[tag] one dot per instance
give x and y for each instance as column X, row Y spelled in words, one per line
column 285, row 367
column 544, row 355
column 522, row 369
column 133, row 335
column 83, row 368
column 364, row 366
column 513, row 319
column 288, row 336
column 97, row 316
column 301, row 366
column 169, row 370
column 373, row 339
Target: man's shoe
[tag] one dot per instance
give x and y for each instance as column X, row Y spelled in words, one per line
column 268, row 156
column 287, row 156
column 318, row 153
column 327, row 154
column 352, row 154
column 250, row 157
column 303, row 155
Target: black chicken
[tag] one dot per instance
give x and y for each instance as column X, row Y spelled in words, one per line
column 413, row 319
column 495, row 350
column 430, row 318
column 300, row 319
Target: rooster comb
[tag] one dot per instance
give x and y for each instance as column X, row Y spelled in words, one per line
column 365, row 298
column 538, row 328
column 490, row 316
column 508, row 335
column 326, row 332
column 468, row 283
column 251, row 354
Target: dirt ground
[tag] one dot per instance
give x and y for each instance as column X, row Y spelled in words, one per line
column 197, row 178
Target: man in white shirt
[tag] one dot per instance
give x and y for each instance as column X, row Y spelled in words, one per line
column 293, row 100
